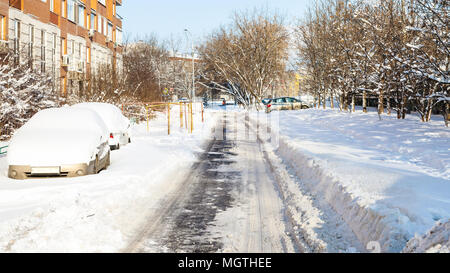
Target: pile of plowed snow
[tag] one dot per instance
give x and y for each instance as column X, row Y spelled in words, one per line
column 389, row 179
column 436, row 240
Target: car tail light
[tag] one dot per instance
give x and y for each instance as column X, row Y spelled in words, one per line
column 111, row 135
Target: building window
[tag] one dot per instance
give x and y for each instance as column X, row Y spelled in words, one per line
column 54, row 41
column 54, row 45
column 16, row 29
column 30, row 44
column 81, row 16
column 110, row 31
column 71, row 10
column 72, row 47
column 16, row 26
column 63, row 9
column 119, row 36
column 52, row 5
column 63, row 46
column 92, row 26
column 2, row 28
column 31, row 34
column 42, row 51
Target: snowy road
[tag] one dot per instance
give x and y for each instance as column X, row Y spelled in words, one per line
column 231, row 202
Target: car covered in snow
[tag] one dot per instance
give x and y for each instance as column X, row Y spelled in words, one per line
column 118, row 125
column 59, row 142
column 285, row 103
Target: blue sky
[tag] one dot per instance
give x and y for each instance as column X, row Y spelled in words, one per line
column 166, row 17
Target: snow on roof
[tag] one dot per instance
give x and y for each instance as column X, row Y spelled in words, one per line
column 112, row 116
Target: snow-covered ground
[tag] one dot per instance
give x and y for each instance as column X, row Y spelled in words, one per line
column 272, row 212
column 344, row 181
column 99, row 213
column 388, row 179
column 437, row 240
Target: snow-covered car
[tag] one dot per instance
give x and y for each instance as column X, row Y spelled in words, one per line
column 59, row 142
column 118, row 125
column 285, row 103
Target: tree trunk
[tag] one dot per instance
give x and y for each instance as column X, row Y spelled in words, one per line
column 346, row 102
column 429, row 110
column 320, row 101
column 353, row 103
column 365, row 102
column 341, row 102
column 332, row 100
column 404, row 107
column 381, row 103
column 315, row 100
column 422, row 113
column 388, row 106
column 447, row 113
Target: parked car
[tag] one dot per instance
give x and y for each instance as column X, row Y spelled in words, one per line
column 118, row 125
column 266, row 101
column 285, row 103
column 59, row 142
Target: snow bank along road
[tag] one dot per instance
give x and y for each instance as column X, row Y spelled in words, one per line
column 388, row 179
column 239, row 198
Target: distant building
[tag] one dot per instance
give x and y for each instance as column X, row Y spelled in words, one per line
column 67, row 39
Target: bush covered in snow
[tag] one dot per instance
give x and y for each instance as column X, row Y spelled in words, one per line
column 23, row 93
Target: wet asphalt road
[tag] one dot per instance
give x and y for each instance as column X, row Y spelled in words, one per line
column 205, row 192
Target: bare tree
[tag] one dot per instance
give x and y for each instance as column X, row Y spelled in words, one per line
column 396, row 51
column 245, row 58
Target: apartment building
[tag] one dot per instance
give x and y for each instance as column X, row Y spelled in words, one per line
column 66, row 39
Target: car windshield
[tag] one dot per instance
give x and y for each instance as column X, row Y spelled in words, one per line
column 290, row 100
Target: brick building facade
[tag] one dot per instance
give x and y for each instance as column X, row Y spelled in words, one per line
column 67, row 39
column 4, row 8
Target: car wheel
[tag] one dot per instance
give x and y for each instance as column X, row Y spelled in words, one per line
column 129, row 140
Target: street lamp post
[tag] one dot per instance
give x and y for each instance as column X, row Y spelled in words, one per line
column 193, row 64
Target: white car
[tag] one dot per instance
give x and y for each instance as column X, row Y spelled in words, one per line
column 118, row 125
column 59, row 142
